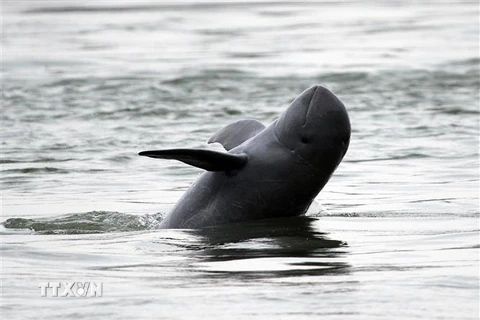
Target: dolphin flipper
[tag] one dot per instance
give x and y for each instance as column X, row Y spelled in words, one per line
column 204, row 159
column 236, row 133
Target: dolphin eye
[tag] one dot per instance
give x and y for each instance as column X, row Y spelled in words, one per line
column 305, row 140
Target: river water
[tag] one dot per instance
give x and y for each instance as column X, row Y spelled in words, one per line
column 87, row 85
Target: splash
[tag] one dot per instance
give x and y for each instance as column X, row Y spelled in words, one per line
column 88, row 222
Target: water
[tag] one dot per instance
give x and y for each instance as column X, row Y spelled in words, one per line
column 394, row 234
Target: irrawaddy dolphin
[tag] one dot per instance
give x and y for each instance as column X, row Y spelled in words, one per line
column 267, row 172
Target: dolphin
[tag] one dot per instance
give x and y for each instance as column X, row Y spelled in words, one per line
column 267, row 172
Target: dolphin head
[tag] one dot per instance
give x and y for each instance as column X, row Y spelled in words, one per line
column 316, row 128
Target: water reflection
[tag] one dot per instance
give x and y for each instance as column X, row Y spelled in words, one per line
column 270, row 248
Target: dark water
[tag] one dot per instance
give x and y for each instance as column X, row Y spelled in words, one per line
column 85, row 86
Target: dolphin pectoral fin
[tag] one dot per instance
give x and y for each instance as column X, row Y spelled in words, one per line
column 236, row 133
column 204, row 159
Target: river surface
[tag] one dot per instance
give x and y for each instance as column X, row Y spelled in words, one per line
column 87, row 85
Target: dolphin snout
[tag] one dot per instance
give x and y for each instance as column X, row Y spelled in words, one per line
column 323, row 100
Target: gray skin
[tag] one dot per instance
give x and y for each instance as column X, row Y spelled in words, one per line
column 269, row 172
